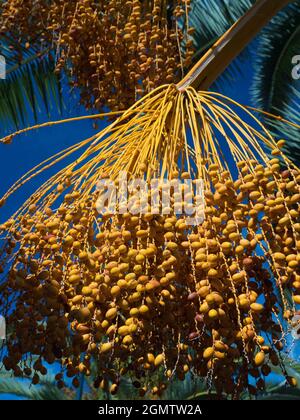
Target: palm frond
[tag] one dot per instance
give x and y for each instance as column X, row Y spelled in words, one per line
column 281, row 390
column 188, row 389
column 47, row 390
column 274, row 88
column 211, row 19
column 30, row 87
column 279, row 397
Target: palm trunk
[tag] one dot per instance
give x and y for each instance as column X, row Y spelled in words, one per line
column 227, row 48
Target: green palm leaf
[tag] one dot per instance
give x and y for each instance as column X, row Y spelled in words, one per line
column 284, row 397
column 211, row 19
column 274, row 89
column 189, row 389
column 30, row 87
column 47, row 390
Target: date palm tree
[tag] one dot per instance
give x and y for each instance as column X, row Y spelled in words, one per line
column 32, row 85
column 213, row 64
column 190, row 389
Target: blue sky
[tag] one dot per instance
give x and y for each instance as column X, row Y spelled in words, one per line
column 29, row 149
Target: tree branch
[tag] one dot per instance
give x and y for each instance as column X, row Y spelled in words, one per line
column 228, row 47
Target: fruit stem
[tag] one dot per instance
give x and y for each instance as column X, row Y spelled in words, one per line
column 227, row 48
